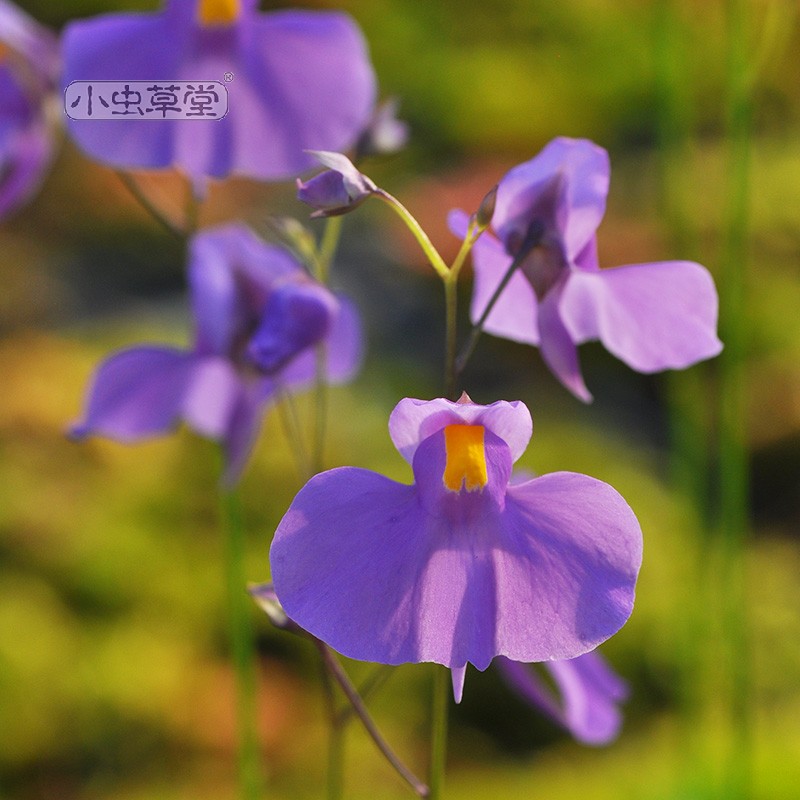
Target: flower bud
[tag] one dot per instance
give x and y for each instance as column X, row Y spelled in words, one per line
column 337, row 191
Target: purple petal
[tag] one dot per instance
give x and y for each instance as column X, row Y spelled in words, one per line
column 582, row 171
column 652, row 316
column 302, row 80
column 358, row 562
column 295, row 318
column 37, row 45
column 136, row 393
column 458, row 674
column 231, row 273
column 343, row 352
column 558, row 348
column 26, row 144
column 514, row 314
column 412, row 421
column 211, row 396
column 243, row 428
column 591, row 691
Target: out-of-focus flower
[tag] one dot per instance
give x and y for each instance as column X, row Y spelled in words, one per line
column 336, row 191
column 296, row 80
column 654, row 316
column 460, row 566
column 590, row 694
column 29, row 63
column 258, row 320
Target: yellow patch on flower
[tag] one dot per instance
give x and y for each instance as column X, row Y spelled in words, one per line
column 466, row 458
column 218, row 12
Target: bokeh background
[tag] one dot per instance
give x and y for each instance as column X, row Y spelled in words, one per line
column 114, row 676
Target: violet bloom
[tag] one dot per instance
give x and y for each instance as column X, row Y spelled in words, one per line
column 652, row 316
column 28, row 74
column 590, row 694
column 460, row 566
column 258, row 320
column 338, row 190
column 300, row 80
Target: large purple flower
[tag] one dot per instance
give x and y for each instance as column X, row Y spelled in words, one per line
column 590, row 693
column 652, row 316
column 28, row 74
column 258, row 320
column 460, row 566
column 300, row 80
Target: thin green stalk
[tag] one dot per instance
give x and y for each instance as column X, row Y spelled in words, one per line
column 733, row 478
column 294, row 435
column 531, row 241
column 242, row 649
column 436, row 261
column 351, row 693
column 150, row 207
column 439, row 709
column 327, row 247
column 451, row 333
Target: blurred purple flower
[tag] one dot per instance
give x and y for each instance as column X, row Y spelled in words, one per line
column 336, row 191
column 29, row 63
column 590, row 694
column 385, row 133
column 300, row 80
column 258, row 316
column 460, row 566
column 652, row 316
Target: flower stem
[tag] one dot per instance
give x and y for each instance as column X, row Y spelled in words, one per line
column 436, row 261
column 532, row 240
column 242, row 649
column 439, row 709
column 351, row 693
column 294, row 434
column 451, row 332
column 150, row 207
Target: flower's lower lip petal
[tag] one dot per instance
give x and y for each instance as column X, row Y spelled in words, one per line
column 522, row 678
column 136, row 393
column 651, row 316
column 591, row 691
column 345, row 344
column 568, row 584
column 558, row 348
column 243, row 426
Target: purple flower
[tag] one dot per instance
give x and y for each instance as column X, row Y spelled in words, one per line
column 460, row 566
column 337, row 190
column 258, row 318
column 28, row 71
column 300, row 80
column 652, row 316
column 590, row 693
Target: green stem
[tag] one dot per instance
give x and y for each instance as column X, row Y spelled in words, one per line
column 150, row 207
column 294, row 434
column 451, row 332
column 351, row 693
column 327, row 247
column 243, row 649
column 436, row 261
column 531, row 241
column 439, row 709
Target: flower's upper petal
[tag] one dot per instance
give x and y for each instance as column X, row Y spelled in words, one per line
column 231, row 274
column 26, row 143
column 652, row 316
column 35, row 43
column 514, row 314
column 413, row 420
column 558, row 347
column 576, row 172
column 136, row 393
column 358, row 562
column 572, row 553
column 301, row 80
column 591, row 692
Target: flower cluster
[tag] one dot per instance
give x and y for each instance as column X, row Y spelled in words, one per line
column 464, row 565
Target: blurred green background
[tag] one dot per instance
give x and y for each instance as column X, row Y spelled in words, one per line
column 114, row 677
